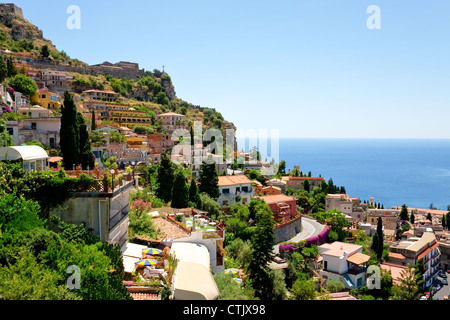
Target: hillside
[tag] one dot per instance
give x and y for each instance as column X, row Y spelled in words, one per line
column 150, row 90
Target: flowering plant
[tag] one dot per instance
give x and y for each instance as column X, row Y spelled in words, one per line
column 141, row 206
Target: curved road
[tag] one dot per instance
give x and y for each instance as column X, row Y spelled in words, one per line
column 310, row 228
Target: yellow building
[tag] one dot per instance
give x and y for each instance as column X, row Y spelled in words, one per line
column 47, row 99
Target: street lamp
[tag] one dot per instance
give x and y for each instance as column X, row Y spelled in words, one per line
column 112, row 173
column 133, row 164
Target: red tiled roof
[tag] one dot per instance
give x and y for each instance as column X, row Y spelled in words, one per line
column 304, row 178
column 144, row 296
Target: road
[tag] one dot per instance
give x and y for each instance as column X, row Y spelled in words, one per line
column 444, row 291
column 310, row 228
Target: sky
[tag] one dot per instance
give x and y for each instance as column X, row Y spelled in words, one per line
column 304, row 68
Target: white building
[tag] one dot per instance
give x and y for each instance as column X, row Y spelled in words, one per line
column 32, row 157
column 235, row 189
column 344, row 262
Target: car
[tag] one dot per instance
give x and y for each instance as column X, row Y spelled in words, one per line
column 445, row 282
column 423, row 298
column 444, row 276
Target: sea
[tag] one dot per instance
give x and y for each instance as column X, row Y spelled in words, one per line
column 415, row 172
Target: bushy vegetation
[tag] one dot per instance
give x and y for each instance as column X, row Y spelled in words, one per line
column 35, row 253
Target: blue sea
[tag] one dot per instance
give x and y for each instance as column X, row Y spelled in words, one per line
column 415, row 172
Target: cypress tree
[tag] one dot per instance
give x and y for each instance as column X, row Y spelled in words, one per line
column 165, row 179
column 404, row 213
column 180, row 192
column 447, row 218
column 10, row 67
column 306, row 185
column 209, row 181
column 194, row 196
column 412, row 218
column 3, row 70
column 262, row 242
column 69, row 133
column 86, row 154
column 93, row 124
column 380, row 238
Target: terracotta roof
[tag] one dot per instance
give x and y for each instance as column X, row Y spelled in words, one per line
column 395, row 270
column 144, row 296
column 358, row 258
column 304, row 178
column 169, row 114
column 233, row 180
column 277, row 198
column 396, row 255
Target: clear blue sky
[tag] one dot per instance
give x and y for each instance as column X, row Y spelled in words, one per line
column 308, row 68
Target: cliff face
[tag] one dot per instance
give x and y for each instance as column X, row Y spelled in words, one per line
column 15, row 28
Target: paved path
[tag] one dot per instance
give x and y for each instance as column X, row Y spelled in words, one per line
column 444, row 291
column 310, row 228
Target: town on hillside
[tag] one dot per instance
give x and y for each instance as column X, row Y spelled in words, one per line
column 94, row 203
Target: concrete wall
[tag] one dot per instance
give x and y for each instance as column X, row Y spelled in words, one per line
column 86, row 210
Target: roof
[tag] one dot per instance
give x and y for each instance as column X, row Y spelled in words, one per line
column 304, row 178
column 277, row 198
column 358, row 258
column 100, row 91
column 169, row 114
column 233, row 180
column 395, row 270
column 144, row 296
column 427, row 238
column 341, row 296
column 194, row 282
column 338, row 248
column 396, row 255
column 191, row 252
column 55, row 159
column 26, row 153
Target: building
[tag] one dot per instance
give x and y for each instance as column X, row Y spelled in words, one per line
column 171, row 121
column 389, row 217
column 426, row 249
column 298, row 182
column 38, row 126
column 278, row 183
column 120, row 114
column 106, row 212
column 101, row 95
column 265, row 191
column 283, row 207
column 160, row 142
column 32, row 157
column 349, row 206
column 56, row 81
column 47, row 99
column 234, row 189
column 344, row 262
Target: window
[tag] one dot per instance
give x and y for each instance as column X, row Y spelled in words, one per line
column 44, row 96
column 325, row 265
column 33, row 126
column 224, row 191
column 359, row 282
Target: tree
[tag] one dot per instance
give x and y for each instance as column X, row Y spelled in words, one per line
column 87, row 158
column 282, row 167
column 412, row 217
column 194, row 195
column 429, row 217
column 23, row 84
column 5, row 138
column 380, row 238
column 45, row 52
column 180, row 192
column 303, row 290
column 11, row 69
column 447, row 218
column 93, row 123
column 262, row 241
column 404, row 213
column 335, row 286
column 209, row 180
column 408, row 285
column 69, row 133
column 443, row 222
column 3, row 70
column 210, row 205
column 165, row 179
column 306, row 185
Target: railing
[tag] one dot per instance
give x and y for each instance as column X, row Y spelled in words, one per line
column 291, row 220
column 356, row 271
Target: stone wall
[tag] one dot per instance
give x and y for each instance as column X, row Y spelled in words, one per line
column 288, row 231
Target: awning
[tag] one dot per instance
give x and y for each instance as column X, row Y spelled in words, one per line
column 358, row 258
column 26, row 153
